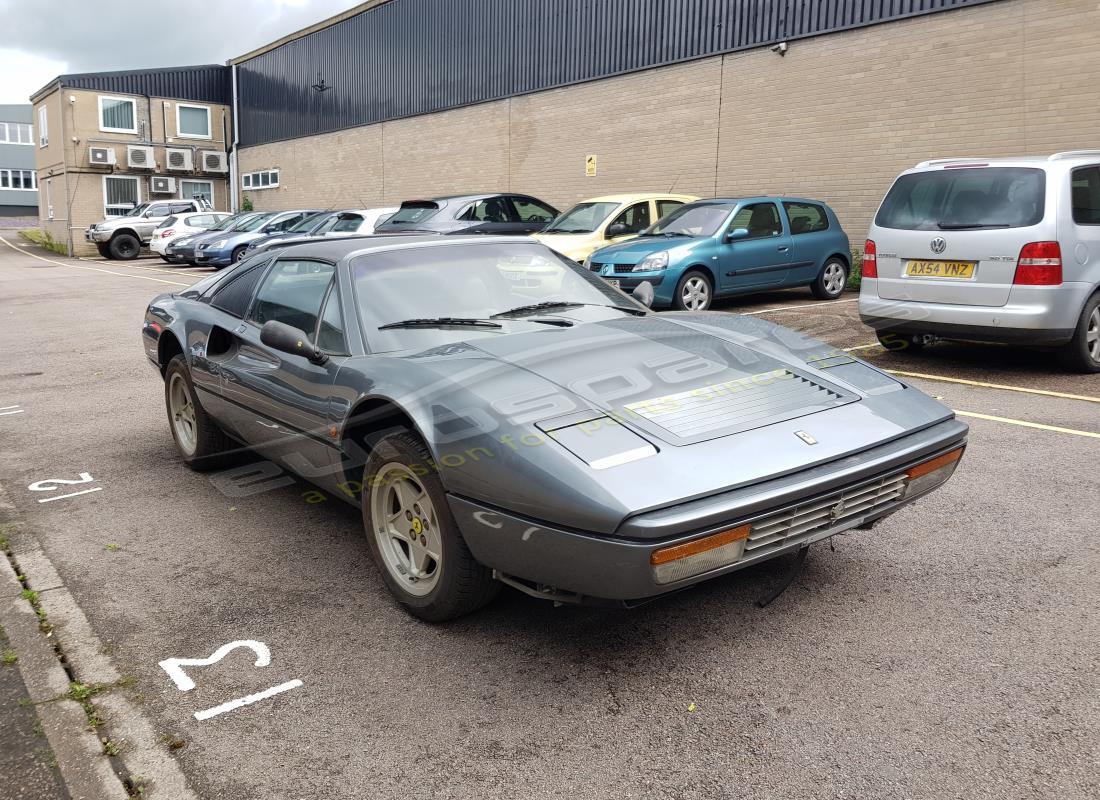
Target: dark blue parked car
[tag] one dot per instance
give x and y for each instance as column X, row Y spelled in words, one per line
column 726, row 246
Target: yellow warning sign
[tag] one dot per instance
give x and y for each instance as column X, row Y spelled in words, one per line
column 590, row 166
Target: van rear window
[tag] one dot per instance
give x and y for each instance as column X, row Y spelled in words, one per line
column 413, row 211
column 965, row 199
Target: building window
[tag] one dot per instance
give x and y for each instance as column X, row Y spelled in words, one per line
column 193, row 190
column 117, row 114
column 120, row 195
column 264, row 179
column 18, row 179
column 192, row 122
column 16, row 132
column 43, row 129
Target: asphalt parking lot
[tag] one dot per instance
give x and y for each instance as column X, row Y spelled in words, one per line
column 950, row 652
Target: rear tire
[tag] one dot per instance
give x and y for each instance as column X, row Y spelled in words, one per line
column 413, row 537
column 831, row 281
column 694, row 292
column 125, row 247
column 1082, row 354
column 104, row 249
column 201, row 443
column 900, row 342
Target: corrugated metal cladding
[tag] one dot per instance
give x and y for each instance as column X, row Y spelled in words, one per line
column 409, row 57
column 210, row 83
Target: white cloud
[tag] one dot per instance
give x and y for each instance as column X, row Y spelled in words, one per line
column 81, row 36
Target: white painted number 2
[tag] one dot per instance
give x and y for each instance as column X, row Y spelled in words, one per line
column 174, row 668
column 53, row 484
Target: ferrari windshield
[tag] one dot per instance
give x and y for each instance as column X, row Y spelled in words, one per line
column 581, row 218
column 693, row 220
column 470, row 281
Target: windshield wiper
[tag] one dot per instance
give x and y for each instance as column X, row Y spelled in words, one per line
column 440, row 322
column 962, row 226
column 563, row 304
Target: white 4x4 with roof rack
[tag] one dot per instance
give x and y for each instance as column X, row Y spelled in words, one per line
column 123, row 237
column 989, row 250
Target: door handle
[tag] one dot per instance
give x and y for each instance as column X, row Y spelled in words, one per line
column 783, row 249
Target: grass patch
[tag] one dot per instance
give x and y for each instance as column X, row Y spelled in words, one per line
column 9, row 657
column 43, row 239
column 31, row 596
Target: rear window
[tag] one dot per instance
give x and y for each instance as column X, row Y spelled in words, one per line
column 168, row 223
column 965, row 199
column 413, row 212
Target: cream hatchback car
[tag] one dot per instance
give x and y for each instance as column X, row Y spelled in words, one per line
column 990, row 250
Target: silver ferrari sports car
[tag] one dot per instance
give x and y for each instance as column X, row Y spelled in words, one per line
column 503, row 416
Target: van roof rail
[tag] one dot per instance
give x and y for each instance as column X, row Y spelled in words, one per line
column 962, row 160
column 1074, row 154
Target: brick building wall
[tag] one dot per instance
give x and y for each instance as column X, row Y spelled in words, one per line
column 837, row 118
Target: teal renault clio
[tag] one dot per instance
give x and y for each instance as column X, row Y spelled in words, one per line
column 727, row 246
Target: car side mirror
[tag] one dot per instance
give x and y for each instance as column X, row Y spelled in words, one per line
column 644, row 294
column 618, row 229
column 288, row 339
column 737, row 233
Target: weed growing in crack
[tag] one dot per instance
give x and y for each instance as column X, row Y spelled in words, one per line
column 9, row 657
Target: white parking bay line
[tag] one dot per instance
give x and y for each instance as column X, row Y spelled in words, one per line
column 73, row 494
column 1026, row 424
column 91, row 269
column 806, row 307
column 247, row 700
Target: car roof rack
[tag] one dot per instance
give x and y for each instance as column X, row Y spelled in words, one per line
column 963, row 160
column 1075, row 154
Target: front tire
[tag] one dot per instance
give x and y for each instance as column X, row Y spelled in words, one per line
column 104, row 249
column 694, row 292
column 201, row 443
column 125, row 247
column 831, row 281
column 1082, row 354
column 413, row 536
column 238, row 254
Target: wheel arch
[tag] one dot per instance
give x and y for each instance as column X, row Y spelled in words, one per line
column 369, row 418
column 845, row 257
column 699, row 267
column 168, row 347
column 129, row 231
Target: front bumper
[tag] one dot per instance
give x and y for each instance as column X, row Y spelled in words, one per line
column 555, row 561
column 628, row 281
column 212, row 257
column 97, row 237
column 1045, row 315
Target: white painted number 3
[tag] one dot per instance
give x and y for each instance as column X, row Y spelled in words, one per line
column 174, row 668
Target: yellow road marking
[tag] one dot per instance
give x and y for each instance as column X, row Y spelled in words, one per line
column 90, row 269
column 862, row 347
column 1027, row 424
column 984, row 385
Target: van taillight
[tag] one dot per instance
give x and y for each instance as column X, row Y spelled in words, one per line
column 870, row 260
column 1040, row 264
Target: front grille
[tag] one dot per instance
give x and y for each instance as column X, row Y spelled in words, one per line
column 793, row 525
column 624, row 268
column 595, row 266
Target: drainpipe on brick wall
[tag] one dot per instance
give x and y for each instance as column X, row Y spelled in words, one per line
column 234, row 200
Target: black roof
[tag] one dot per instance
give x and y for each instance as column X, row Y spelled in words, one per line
column 209, row 83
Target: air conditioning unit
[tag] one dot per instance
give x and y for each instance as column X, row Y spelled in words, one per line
column 104, row 156
column 213, row 161
column 162, row 184
column 140, row 157
column 179, row 159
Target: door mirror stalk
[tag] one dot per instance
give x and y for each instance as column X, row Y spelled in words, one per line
column 288, row 339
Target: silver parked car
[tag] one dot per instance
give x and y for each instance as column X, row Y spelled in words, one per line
column 990, row 250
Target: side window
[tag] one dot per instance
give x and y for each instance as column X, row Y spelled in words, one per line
column 527, row 210
column 806, row 217
column 347, row 224
column 1086, row 196
column 326, row 226
column 160, row 210
column 635, row 218
column 491, row 209
column 665, row 207
column 292, row 293
column 761, row 220
column 198, row 221
column 232, row 296
column 330, row 333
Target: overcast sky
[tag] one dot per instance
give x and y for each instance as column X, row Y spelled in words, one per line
column 47, row 38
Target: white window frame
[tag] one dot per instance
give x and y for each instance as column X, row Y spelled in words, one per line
column 251, row 180
column 209, row 122
column 133, row 104
column 9, row 133
column 43, row 128
column 8, row 173
column 209, row 194
column 137, row 182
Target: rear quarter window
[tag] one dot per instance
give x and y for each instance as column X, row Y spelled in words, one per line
column 965, row 199
column 234, row 295
column 1086, row 196
column 806, row 217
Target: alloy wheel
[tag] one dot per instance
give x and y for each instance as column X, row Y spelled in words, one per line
column 182, row 411
column 1092, row 335
column 406, row 529
column 834, row 278
column 695, row 294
